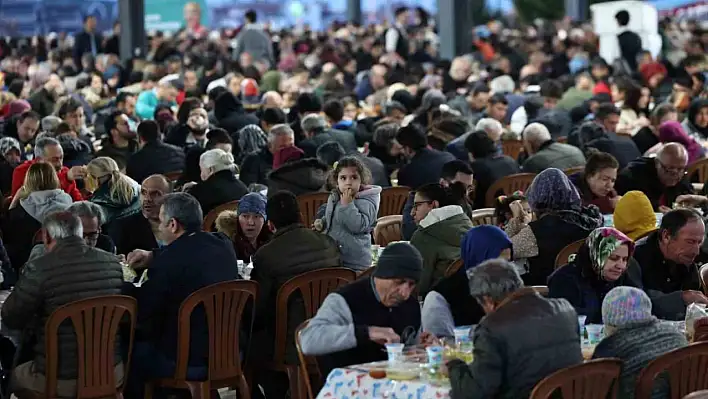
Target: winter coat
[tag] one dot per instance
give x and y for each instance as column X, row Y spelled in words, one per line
column 299, row 177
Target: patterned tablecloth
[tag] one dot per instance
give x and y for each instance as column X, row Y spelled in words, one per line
column 351, row 383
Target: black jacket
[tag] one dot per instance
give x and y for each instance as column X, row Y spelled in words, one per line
column 622, row 148
column 131, row 233
column 82, row 45
column 155, row 158
column 42, row 102
column 218, row 189
column 425, row 167
column 178, row 134
column 661, row 274
column 19, row 229
column 77, row 151
column 508, row 364
column 299, row 177
column 645, row 139
column 630, row 45
column 256, row 166
column 192, row 171
column 487, row 171
column 5, row 177
column 641, row 175
column 231, row 115
column 345, row 138
column 120, row 155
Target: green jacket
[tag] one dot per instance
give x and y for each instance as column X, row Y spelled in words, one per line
column 573, row 97
column 438, row 239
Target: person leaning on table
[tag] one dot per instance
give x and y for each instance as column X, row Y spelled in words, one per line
column 523, row 338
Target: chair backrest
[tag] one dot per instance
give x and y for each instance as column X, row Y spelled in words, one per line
column 703, row 275
column 173, row 176
column 684, row 368
column 484, row 216
column 454, row 267
column 512, row 148
column 313, row 287
column 95, row 321
column 700, row 167
column 223, row 305
column 596, row 379
column 388, row 229
column 210, row 218
column 570, row 249
column 700, row 330
column 508, row 184
column 574, row 170
column 309, row 204
column 308, row 364
column 366, row 273
column 392, row 200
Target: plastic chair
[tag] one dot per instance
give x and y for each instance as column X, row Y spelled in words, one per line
column 570, row 249
column 700, row 330
column 507, row 185
column 512, row 148
column 95, row 321
column 309, row 204
column 392, row 200
column 210, row 218
column 574, row 170
column 388, row 230
column 699, row 167
column 595, row 379
column 313, row 287
column 684, row 368
column 366, row 273
column 702, row 394
column 223, row 304
column 308, row 364
column 484, row 216
column 703, row 276
column 454, row 267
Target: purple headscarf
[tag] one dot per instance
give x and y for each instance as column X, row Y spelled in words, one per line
column 672, row 132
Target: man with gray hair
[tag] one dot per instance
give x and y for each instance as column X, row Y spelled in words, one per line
column 545, row 153
column 318, row 132
column 492, row 127
column 508, row 364
column 70, row 271
column 256, row 166
column 190, row 260
column 49, row 150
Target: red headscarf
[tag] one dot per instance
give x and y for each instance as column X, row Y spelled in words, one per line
column 652, row 69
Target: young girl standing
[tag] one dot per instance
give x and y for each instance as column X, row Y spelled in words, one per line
column 351, row 211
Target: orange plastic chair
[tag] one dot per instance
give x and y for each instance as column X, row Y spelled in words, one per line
column 308, row 364
column 309, row 204
column 685, row 369
column 388, row 230
column 700, row 168
column 484, row 216
column 223, row 304
column 508, row 185
column 512, row 148
column 595, row 379
column 392, row 200
column 210, row 218
column 570, row 249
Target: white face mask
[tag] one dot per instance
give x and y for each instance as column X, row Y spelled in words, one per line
column 198, row 122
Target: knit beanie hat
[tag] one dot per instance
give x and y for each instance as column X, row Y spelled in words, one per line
column 252, row 203
column 634, row 215
column 626, row 306
column 399, row 260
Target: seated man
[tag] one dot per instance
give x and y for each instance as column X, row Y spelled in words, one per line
column 354, row 323
column 141, row 230
column 545, row 153
column 70, row 271
column 49, row 150
column 507, row 363
column 246, row 228
column 662, row 178
column 191, row 259
column 668, row 261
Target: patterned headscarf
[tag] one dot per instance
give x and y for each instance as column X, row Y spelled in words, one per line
column 251, row 138
column 602, row 242
column 8, row 143
column 552, row 191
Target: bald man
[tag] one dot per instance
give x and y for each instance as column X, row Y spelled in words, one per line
column 663, row 178
column 139, row 230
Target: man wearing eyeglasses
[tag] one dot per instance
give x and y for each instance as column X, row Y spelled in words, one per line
column 662, row 178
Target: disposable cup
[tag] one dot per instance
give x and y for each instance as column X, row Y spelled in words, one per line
column 435, row 354
column 594, row 333
column 462, row 334
column 581, row 324
column 395, row 353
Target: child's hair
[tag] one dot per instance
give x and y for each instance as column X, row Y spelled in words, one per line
column 445, row 196
column 121, row 187
column 502, row 206
column 349, row 162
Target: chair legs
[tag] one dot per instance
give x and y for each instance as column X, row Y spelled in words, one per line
column 243, row 389
column 296, row 383
column 199, row 390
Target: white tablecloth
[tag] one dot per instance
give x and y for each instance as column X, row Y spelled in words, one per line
column 351, row 383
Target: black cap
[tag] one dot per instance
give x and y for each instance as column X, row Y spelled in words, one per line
column 399, row 260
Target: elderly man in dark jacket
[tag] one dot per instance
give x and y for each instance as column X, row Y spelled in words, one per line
column 70, row 271
column 507, row 364
column 256, row 166
column 545, row 153
column 154, row 156
column 317, row 133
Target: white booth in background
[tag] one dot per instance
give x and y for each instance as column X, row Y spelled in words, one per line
column 643, row 20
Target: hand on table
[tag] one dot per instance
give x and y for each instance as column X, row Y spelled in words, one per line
column 692, row 296
column 383, row 335
column 428, row 339
column 139, row 258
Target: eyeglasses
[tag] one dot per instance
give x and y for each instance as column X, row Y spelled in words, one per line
column 671, row 170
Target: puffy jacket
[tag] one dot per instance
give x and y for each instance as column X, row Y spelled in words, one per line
column 299, row 177
column 115, row 208
column 524, row 340
column 71, row 272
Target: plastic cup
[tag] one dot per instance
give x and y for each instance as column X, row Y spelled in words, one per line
column 395, row 353
column 581, row 324
column 435, row 354
column 462, row 334
column 594, row 333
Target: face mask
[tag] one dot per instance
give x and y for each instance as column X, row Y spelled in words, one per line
column 198, row 123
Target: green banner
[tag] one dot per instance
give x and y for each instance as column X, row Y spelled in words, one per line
column 168, row 15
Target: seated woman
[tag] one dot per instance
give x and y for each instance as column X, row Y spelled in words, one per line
column 634, row 215
column 636, row 337
column 116, row 193
column 561, row 219
column 441, row 225
column 449, row 304
column 601, row 264
column 596, row 184
column 246, row 228
column 219, row 184
column 40, row 194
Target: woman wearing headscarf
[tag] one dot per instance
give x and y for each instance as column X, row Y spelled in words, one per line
column 10, row 157
column 449, row 304
column 270, row 81
column 672, row 132
column 561, row 219
column 636, row 337
column 696, row 122
column 601, row 264
column 250, row 139
column 634, row 215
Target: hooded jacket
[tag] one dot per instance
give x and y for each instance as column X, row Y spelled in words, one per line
column 230, row 114
column 351, row 225
column 39, row 203
column 299, row 177
column 438, row 239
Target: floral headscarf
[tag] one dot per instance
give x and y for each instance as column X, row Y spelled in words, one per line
column 602, row 242
column 551, row 190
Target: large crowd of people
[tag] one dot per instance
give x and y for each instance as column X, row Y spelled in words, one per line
column 106, row 163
